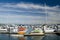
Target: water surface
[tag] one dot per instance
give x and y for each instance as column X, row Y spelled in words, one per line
column 46, row 37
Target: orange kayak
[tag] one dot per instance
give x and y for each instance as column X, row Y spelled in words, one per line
column 21, row 32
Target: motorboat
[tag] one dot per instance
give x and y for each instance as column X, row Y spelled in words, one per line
column 22, row 30
column 3, row 30
column 37, row 30
column 58, row 30
column 49, row 28
column 13, row 29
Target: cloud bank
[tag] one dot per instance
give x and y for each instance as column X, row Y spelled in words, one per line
column 29, row 13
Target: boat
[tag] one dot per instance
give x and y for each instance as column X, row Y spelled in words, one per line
column 58, row 28
column 50, row 28
column 3, row 30
column 12, row 28
column 22, row 30
column 37, row 31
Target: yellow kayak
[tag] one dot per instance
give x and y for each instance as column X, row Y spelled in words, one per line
column 21, row 32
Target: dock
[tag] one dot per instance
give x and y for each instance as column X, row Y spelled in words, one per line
column 34, row 34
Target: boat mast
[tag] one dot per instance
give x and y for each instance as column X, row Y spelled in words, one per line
column 46, row 22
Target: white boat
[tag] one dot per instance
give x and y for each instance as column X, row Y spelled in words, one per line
column 13, row 30
column 37, row 31
column 3, row 30
column 58, row 30
column 48, row 29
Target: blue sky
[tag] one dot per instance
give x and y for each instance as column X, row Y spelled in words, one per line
column 30, row 11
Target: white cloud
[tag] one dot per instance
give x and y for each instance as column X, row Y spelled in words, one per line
column 29, row 6
column 21, row 19
column 21, row 16
column 53, row 13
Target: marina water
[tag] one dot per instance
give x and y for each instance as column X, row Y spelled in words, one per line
column 45, row 37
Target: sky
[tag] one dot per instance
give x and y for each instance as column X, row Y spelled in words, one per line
column 30, row 11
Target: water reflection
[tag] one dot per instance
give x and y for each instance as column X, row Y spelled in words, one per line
column 50, row 37
column 46, row 37
column 4, row 37
column 22, row 38
column 7, row 37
